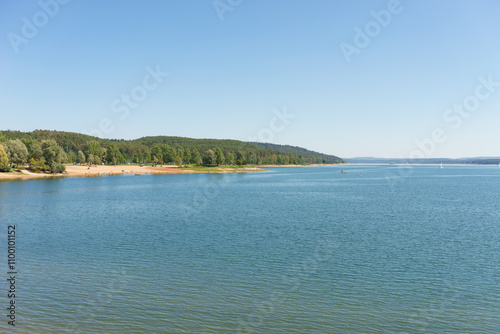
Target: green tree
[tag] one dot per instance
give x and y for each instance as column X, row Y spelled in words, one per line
column 51, row 152
column 38, row 165
column 180, row 153
column 62, row 157
column 230, row 158
column 36, row 151
column 178, row 161
column 187, row 155
column 72, row 157
column 240, row 159
column 80, row 158
column 34, row 148
column 4, row 160
column 113, row 155
column 168, row 153
column 104, row 152
column 219, row 156
column 157, row 153
column 54, row 156
column 209, row 158
column 147, row 157
column 17, row 152
column 196, row 158
column 90, row 159
column 94, row 148
column 57, row 168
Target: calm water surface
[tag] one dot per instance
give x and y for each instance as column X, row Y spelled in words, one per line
column 295, row 250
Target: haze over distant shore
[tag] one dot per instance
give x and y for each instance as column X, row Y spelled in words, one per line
column 460, row 161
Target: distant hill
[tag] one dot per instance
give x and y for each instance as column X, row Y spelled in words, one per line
column 140, row 149
column 327, row 159
column 472, row 161
column 483, row 161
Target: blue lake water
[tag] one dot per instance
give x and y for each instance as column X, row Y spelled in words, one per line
column 380, row 249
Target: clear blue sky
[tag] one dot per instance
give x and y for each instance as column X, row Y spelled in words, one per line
column 227, row 76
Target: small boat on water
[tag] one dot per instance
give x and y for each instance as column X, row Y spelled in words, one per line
column 441, row 165
column 343, row 171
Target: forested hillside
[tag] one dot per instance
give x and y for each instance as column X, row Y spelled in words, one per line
column 80, row 148
column 327, row 159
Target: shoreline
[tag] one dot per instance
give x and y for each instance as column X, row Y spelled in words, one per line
column 105, row 170
column 311, row 165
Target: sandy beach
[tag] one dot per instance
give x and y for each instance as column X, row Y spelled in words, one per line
column 128, row 169
column 105, row 170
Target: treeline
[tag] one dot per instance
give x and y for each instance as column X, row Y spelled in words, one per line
column 80, row 148
column 325, row 158
column 46, row 155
